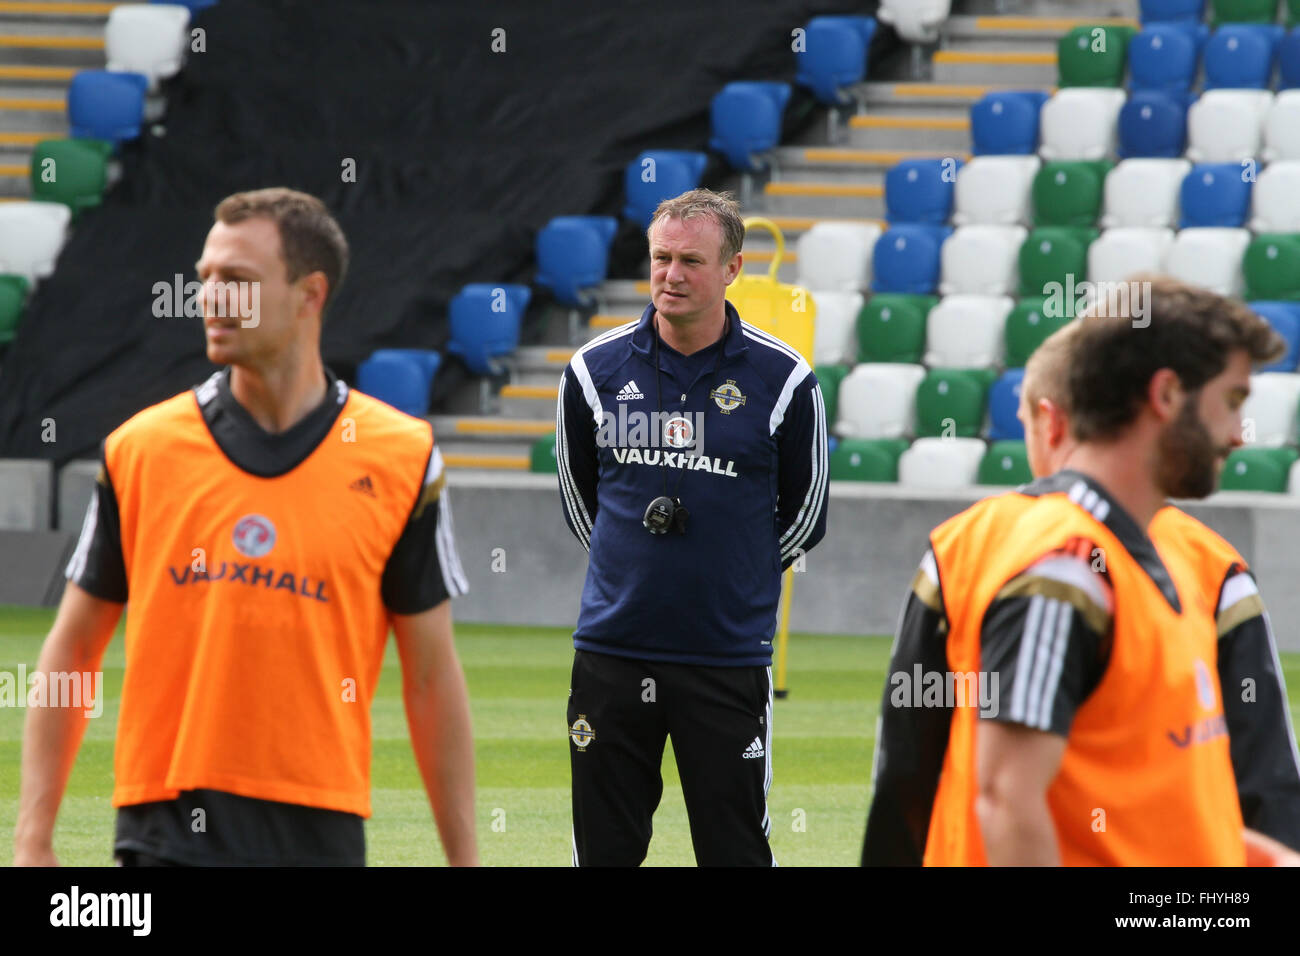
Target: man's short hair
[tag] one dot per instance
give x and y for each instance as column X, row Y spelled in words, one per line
column 1048, row 370
column 1184, row 328
column 721, row 207
column 310, row 238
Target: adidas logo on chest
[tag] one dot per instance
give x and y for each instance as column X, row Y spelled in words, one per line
column 629, row 392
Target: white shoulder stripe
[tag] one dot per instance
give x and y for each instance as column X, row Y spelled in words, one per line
column 453, row 575
column 434, row 471
column 772, row 342
column 614, row 333
column 792, row 381
column 77, row 564
column 588, row 388
column 1237, row 587
column 1076, row 572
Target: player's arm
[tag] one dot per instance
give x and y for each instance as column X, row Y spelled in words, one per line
column 910, row 741
column 1044, row 641
column 575, row 456
column 803, row 470
column 1265, row 851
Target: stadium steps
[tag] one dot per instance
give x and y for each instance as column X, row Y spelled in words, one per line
column 492, row 431
column 21, row 45
column 919, row 132
column 473, row 456
column 533, row 402
column 925, row 99
column 15, row 179
column 859, row 200
column 1018, row 33
column 1029, row 68
column 845, row 165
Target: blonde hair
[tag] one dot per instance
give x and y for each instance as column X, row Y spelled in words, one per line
column 721, row 207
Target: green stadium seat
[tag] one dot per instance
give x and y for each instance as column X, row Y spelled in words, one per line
column 829, row 378
column 1028, row 324
column 951, row 402
column 1005, row 463
column 1243, row 11
column 1292, row 13
column 542, row 456
column 1093, row 56
column 13, row 298
column 1051, row 254
column 1271, row 266
column 71, row 171
column 1069, row 193
column 891, row 327
column 864, row 459
column 1258, row 469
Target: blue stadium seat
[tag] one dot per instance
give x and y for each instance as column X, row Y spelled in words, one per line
column 194, row 6
column 485, row 323
column 427, row 360
column 1005, row 123
column 1152, row 125
column 1004, row 400
column 1239, row 56
column 1166, row 10
column 920, row 190
column 395, row 378
column 906, row 258
column 745, row 118
column 659, row 174
column 104, row 105
column 1162, row 57
column 1285, row 319
column 573, row 254
column 1288, row 61
column 1214, row 194
column 834, row 56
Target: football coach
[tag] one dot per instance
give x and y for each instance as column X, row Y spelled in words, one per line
column 693, row 468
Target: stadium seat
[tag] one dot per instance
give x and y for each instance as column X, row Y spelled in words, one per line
column 1291, row 12
column 829, row 378
column 1276, row 199
column 104, row 105
column 1152, row 125
column 150, row 39
column 835, row 331
column 1225, row 126
column 1282, row 128
column 541, row 457
column 1169, row 10
column 966, row 331
column 950, row 402
column 194, row 6
column 573, row 256
column 833, row 57
column 1288, row 61
column 1215, row 194
column 395, row 379
column 1270, row 266
column 1268, row 416
column 1258, row 469
column 995, row 191
column 1054, row 259
column 1285, row 319
column 867, row 459
column 1243, row 11
column 1088, row 59
column 878, row 400
column 1005, row 123
column 1005, row 463
column 1032, row 321
column 1144, row 193
column 485, row 323
column 426, row 360
column 71, row 171
column 31, row 237
column 1162, row 57
column 1240, row 56
column 920, row 190
column 745, row 119
column 13, row 299
column 1069, row 193
column 906, row 259
column 981, row 260
column 657, row 175
column 941, row 463
column 836, row 256
column 1210, row 258
column 1080, row 123
column 892, row 327
column 1004, row 402
column 1120, row 253
column 917, row 21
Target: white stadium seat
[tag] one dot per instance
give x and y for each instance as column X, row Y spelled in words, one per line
column 147, row 38
column 1210, row 258
column 1119, row 253
column 1226, row 126
column 836, row 256
column 982, row 260
column 941, row 463
column 878, row 400
column 1282, row 127
column 31, row 237
column 1270, row 411
column 1080, row 123
column 995, row 191
column 835, row 339
column 1275, row 200
column 1293, row 479
column 917, row 21
column 1144, row 193
column 965, row 331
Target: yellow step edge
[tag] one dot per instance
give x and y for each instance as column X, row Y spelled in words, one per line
column 46, row 8
column 51, row 43
column 909, row 122
column 871, row 157
column 559, row 355
column 24, row 103
column 610, row 321
column 24, row 139
column 18, row 169
column 804, row 223
column 503, row 426
column 642, row 288
column 501, row 462
column 530, row 391
column 57, row 73
column 995, row 57
column 956, row 91
column 844, row 190
column 1064, row 24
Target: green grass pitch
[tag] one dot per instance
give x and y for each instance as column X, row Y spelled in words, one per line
column 518, row 680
